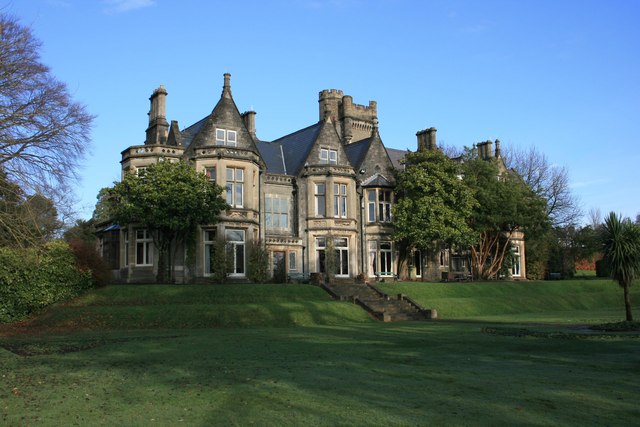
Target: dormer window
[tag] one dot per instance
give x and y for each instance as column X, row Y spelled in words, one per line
column 328, row 156
column 226, row 137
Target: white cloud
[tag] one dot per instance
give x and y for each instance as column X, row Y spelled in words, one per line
column 121, row 6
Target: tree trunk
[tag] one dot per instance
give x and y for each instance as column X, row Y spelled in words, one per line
column 627, row 302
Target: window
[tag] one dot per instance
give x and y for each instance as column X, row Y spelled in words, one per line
column 220, row 136
column 231, row 138
column 235, row 251
column 321, row 201
column 226, row 137
column 458, row 263
column 341, row 255
column 276, row 212
column 417, row 262
column 125, row 238
column 515, row 266
column 384, row 205
column 235, row 187
column 341, row 249
column 340, row 200
column 141, row 170
column 328, row 157
column 371, row 205
column 211, row 173
column 383, row 213
column 209, row 241
column 144, row 248
column 321, row 245
column 385, row 259
column 380, row 258
column 292, row 261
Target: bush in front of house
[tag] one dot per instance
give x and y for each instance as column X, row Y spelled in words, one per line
column 31, row 279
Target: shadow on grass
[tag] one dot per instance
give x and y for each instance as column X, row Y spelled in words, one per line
column 399, row 374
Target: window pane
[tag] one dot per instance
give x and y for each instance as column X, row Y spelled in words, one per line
column 240, row 258
column 229, row 187
column 321, row 206
column 239, row 201
column 240, row 175
column 231, row 137
column 292, row 261
column 340, row 242
column 234, row 235
column 229, row 174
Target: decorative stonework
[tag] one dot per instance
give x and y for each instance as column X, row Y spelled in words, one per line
column 283, row 241
column 279, row 179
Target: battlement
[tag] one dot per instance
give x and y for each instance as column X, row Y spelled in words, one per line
column 358, row 111
column 331, row 93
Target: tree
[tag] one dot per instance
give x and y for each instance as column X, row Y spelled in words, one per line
column 168, row 199
column 621, row 247
column 43, row 132
column 25, row 220
column 505, row 205
column 82, row 230
column 551, row 182
column 433, row 204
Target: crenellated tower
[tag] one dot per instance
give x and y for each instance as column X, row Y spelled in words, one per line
column 354, row 122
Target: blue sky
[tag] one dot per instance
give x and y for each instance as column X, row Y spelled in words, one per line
column 563, row 76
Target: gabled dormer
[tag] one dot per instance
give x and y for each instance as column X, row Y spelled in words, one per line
column 370, row 158
column 225, row 126
column 327, row 149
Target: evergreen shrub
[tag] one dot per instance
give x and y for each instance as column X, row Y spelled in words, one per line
column 31, row 279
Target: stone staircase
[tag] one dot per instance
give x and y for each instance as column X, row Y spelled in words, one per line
column 378, row 304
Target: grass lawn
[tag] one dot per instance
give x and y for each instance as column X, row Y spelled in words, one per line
column 161, row 355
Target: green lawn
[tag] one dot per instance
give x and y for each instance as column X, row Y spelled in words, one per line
column 306, row 360
column 569, row 301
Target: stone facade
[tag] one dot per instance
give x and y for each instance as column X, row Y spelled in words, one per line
column 327, row 187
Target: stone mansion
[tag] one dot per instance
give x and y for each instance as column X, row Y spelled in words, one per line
column 328, row 186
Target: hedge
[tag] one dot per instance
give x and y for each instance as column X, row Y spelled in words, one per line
column 31, row 279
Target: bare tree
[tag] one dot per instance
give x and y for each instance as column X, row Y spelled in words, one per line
column 595, row 218
column 548, row 181
column 43, row 132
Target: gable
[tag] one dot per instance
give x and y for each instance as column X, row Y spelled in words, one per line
column 224, row 126
column 376, row 160
column 327, row 139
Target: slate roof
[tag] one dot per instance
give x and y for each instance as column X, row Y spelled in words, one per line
column 272, row 154
column 357, row 151
column 396, row 156
column 377, row 180
column 190, row 132
column 296, row 147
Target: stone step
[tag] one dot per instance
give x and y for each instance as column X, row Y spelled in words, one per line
column 387, row 308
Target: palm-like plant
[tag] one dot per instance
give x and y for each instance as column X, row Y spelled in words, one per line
column 621, row 247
